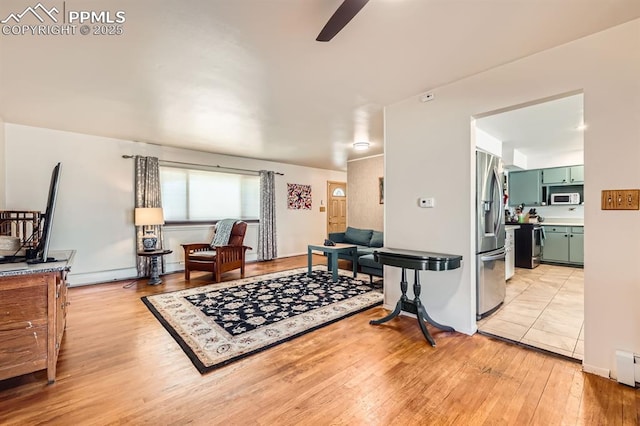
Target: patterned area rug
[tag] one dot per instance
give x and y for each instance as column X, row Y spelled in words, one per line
column 221, row 323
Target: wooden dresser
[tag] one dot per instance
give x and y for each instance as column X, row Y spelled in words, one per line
column 33, row 313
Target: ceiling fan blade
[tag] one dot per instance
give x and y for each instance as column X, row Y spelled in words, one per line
column 345, row 13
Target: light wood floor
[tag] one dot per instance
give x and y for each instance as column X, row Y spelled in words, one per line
column 119, row 366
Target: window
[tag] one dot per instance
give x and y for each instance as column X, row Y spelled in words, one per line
column 190, row 195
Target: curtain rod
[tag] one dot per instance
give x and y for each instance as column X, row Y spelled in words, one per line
column 203, row 165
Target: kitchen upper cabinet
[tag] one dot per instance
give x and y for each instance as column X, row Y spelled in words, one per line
column 555, row 176
column 563, row 175
column 563, row 244
column 576, row 174
column 525, row 188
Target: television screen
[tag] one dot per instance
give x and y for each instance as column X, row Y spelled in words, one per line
column 41, row 252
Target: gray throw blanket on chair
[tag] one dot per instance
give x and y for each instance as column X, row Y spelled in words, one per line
column 223, row 232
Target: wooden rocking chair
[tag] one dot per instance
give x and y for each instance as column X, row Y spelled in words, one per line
column 202, row 257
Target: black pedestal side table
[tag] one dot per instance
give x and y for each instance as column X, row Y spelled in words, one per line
column 154, row 277
column 416, row 260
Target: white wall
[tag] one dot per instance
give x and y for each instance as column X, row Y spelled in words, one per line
column 561, row 212
column 513, row 159
column 542, row 161
column 486, row 142
column 94, row 214
column 428, row 153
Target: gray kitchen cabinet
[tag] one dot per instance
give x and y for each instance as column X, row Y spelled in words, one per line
column 576, row 174
column 525, row 188
column 563, row 175
column 576, row 245
column 556, row 244
column 563, row 244
column 555, row 176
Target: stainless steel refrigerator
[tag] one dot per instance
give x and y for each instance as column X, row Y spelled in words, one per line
column 490, row 235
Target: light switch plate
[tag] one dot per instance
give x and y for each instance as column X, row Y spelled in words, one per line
column 630, row 198
column 620, row 199
column 608, row 200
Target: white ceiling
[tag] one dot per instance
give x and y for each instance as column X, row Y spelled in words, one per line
column 247, row 78
column 548, row 128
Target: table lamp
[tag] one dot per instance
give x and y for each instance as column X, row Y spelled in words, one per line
column 147, row 216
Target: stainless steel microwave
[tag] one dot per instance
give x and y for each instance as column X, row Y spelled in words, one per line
column 565, row 198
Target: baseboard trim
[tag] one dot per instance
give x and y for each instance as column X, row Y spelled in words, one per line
column 101, row 277
column 89, row 278
column 592, row 369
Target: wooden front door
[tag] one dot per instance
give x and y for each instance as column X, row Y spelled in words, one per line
column 336, row 206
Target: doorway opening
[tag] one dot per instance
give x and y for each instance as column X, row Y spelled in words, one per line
column 540, row 142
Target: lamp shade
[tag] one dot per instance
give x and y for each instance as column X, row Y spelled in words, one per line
column 149, row 216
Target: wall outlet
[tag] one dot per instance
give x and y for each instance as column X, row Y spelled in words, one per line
column 427, row 202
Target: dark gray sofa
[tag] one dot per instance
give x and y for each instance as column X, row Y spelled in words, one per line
column 368, row 265
column 366, row 240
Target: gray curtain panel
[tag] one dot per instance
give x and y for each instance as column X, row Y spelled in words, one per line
column 147, row 193
column 267, row 244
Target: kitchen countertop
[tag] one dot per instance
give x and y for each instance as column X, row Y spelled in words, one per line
column 563, row 221
column 549, row 222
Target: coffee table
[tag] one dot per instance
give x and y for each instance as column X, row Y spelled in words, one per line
column 332, row 257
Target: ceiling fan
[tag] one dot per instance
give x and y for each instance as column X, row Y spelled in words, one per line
column 341, row 17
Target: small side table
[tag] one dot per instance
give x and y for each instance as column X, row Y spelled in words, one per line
column 418, row 261
column 154, row 278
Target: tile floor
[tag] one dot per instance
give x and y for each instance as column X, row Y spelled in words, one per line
column 543, row 308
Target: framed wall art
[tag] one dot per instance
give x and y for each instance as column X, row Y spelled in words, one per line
column 298, row 196
column 381, row 189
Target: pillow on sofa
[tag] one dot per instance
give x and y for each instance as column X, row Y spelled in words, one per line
column 357, row 236
column 377, row 239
